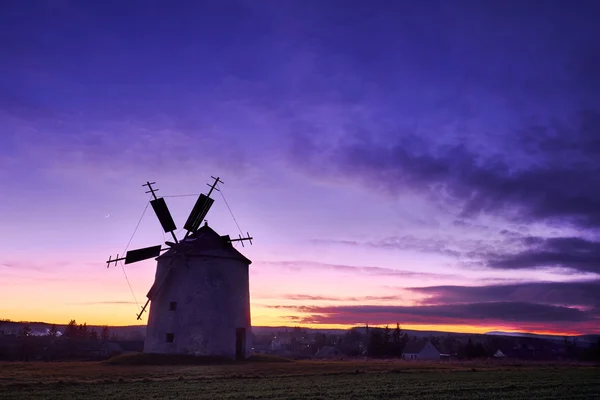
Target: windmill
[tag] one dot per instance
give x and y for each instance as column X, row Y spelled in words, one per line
column 200, row 295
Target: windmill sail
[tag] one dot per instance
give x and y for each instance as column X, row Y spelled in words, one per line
column 142, row 254
column 198, row 213
column 163, row 214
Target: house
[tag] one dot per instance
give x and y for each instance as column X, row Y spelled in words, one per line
column 327, row 352
column 499, row 354
column 261, row 349
column 279, row 344
column 420, row 350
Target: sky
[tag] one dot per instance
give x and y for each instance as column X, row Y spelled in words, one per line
column 432, row 164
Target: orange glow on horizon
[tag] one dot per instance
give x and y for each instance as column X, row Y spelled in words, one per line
column 465, row 329
column 118, row 314
column 439, row 328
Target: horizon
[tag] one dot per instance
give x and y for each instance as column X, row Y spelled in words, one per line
column 431, row 165
column 417, row 328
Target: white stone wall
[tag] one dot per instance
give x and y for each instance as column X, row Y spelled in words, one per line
column 213, row 299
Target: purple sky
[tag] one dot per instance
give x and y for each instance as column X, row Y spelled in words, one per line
column 428, row 163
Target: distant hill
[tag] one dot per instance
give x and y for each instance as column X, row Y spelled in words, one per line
column 523, row 334
column 132, row 332
column 261, row 330
column 137, row 332
column 590, row 339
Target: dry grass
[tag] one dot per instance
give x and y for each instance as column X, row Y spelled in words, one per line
column 299, row 379
column 181, row 359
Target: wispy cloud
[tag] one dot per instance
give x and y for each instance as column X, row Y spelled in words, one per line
column 308, row 297
column 407, row 242
column 94, row 303
column 365, row 270
column 512, row 250
column 24, row 265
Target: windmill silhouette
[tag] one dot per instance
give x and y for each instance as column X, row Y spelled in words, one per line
column 202, row 273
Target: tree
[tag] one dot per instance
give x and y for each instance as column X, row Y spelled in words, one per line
column 25, row 343
column 397, row 333
column 350, row 344
column 480, row 351
column 375, row 346
column 386, row 341
column 26, row 331
column 398, row 341
column 450, row 345
column 593, row 352
column 299, row 333
column 295, row 345
column 53, row 331
column 136, row 335
column 320, row 341
column 82, row 331
column 71, row 330
column 570, row 348
column 105, row 333
column 470, row 349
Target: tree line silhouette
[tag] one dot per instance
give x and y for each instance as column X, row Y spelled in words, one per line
column 77, row 341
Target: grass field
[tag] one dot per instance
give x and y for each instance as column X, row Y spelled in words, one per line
column 299, row 380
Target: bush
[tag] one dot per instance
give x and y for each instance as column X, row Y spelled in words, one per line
column 184, row 359
column 166, row 359
column 268, row 358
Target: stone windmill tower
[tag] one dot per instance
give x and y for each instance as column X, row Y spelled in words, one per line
column 200, row 299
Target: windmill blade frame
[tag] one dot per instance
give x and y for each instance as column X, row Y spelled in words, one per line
column 199, row 211
column 163, row 214
column 142, row 254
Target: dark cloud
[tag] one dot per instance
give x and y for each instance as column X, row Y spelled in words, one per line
column 551, row 174
column 572, row 253
column 574, row 306
column 498, row 313
column 564, row 184
column 546, row 174
column 579, row 294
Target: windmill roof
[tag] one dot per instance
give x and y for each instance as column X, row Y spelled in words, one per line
column 207, row 242
column 499, row 353
column 327, row 351
column 414, row 346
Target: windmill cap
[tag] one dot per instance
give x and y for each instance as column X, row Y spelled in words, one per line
column 206, row 242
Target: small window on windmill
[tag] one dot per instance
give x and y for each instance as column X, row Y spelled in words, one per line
column 170, row 337
column 173, row 306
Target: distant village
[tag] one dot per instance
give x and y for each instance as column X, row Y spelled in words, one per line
column 21, row 341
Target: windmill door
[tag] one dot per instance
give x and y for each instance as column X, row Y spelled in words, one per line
column 240, row 343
